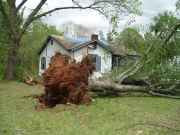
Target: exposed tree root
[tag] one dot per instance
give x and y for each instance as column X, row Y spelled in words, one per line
column 66, row 82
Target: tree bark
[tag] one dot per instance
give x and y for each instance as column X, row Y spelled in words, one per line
column 12, row 64
column 12, row 58
column 104, row 86
column 101, row 86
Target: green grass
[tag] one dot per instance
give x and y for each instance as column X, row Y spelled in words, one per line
column 123, row 115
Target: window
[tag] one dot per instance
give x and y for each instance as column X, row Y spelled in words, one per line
column 97, row 61
column 51, row 42
column 93, row 46
column 43, row 63
column 93, row 59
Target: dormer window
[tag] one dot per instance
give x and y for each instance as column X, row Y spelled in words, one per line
column 93, row 46
column 51, row 42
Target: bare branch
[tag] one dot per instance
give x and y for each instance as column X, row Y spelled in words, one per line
column 163, row 95
column 62, row 8
column 177, row 82
column 31, row 17
column 20, row 5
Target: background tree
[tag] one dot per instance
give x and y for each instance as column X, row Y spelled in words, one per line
column 131, row 40
column 101, row 35
column 30, row 43
column 76, row 30
column 16, row 27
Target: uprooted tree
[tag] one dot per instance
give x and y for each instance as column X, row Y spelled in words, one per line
column 68, row 82
column 124, row 82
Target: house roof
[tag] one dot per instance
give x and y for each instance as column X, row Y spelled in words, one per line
column 122, row 51
column 72, row 44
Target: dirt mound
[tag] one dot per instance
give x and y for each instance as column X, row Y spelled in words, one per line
column 66, row 81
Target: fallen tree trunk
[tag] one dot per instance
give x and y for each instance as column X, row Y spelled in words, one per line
column 100, row 86
column 103, row 86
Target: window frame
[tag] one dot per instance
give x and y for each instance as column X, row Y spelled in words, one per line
column 43, row 63
column 97, row 62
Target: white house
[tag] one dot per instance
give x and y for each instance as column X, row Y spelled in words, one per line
column 76, row 48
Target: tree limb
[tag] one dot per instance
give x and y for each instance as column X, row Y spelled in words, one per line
column 20, row 5
column 170, row 35
column 31, row 17
column 163, row 95
column 135, row 68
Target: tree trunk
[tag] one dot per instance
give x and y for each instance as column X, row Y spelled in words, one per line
column 104, row 86
column 12, row 64
column 12, row 58
column 101, row 86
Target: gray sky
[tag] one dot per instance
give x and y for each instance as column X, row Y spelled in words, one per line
column 91, row 18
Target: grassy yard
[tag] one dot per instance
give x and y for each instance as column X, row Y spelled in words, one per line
column 124, row 115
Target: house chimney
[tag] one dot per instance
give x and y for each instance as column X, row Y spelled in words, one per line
column 94, row 37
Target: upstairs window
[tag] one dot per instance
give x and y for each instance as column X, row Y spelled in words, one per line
column 43, row 63
column 51, row 42
column 93, row 46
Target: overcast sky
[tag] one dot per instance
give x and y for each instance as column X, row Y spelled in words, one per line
column 91, row 18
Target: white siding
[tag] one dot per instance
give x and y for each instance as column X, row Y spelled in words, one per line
column 51, row 50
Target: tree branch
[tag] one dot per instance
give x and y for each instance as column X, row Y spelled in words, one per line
column 163, row 95
column 170, row 35
column 135, row 68
column 20, row 5
column 31, row 17
column 21, row 16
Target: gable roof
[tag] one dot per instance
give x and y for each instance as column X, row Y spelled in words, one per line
column 72, row 44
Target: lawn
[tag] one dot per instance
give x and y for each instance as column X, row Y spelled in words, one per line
column 123, row 115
